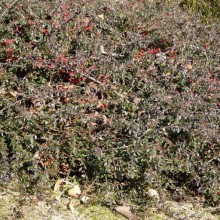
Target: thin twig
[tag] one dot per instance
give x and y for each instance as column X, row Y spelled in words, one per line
column 100, row 83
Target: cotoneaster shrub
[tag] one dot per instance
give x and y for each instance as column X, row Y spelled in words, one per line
column 125, row 94
column 208, row 9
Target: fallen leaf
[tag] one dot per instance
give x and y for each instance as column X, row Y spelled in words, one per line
column 37, row 103
column 136, row 100
column 87, row 21
column 2, row 91
column 58, row 185
column 103, row 50
column 189, row 67
column 126, row 211
column 167, row 74
column 2, row 72
column 12, row 95
column 93, row 85
column 105, row 119
column 57, row 189
column 36, row 156
column 72, row 204
column 85, row 199
column 75, row 191
column 101, row 16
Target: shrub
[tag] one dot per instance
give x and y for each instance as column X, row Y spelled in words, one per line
column 123, row 94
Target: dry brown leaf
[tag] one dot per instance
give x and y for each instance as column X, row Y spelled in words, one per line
column 75, row 191
column 93, row 123
column 37, row 103
column 136, row 100
column 105, row 119
column 36, row 156
column 57, row 189
column 93, row 85
column 113, row 87
column 126, row 211
column 101, row 16
column 84, row 199
column 188, row 67
column 58, row 185
column 72, row 204
column 2, row 91
column 87, row 21
column 12, row 95
column 2, row 72
column 167, row 74
column 102, row 49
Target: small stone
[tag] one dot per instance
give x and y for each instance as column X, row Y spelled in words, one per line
column 153, row 194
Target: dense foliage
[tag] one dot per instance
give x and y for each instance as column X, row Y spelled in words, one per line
column 122, row 93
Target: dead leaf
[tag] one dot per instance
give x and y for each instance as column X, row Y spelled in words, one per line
column 57, row 189
column 96, row 114
column 126, row 211
column 93, row 123
column 102, row 50
column 37, row 103
column 167, row 74
column 93, row 85
column 72, row 204
column 152, row 71
column 101, row 16
column 12, row 95
column 36, row 156
column 2, row 72
column 87, row 21
column 152, row 28
column 75, row 191
column 136, row 100
column 58, row 185
column 105, row 119
column 188, row 67
column 112, row 87
column 2, row 91
column 84, row 199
